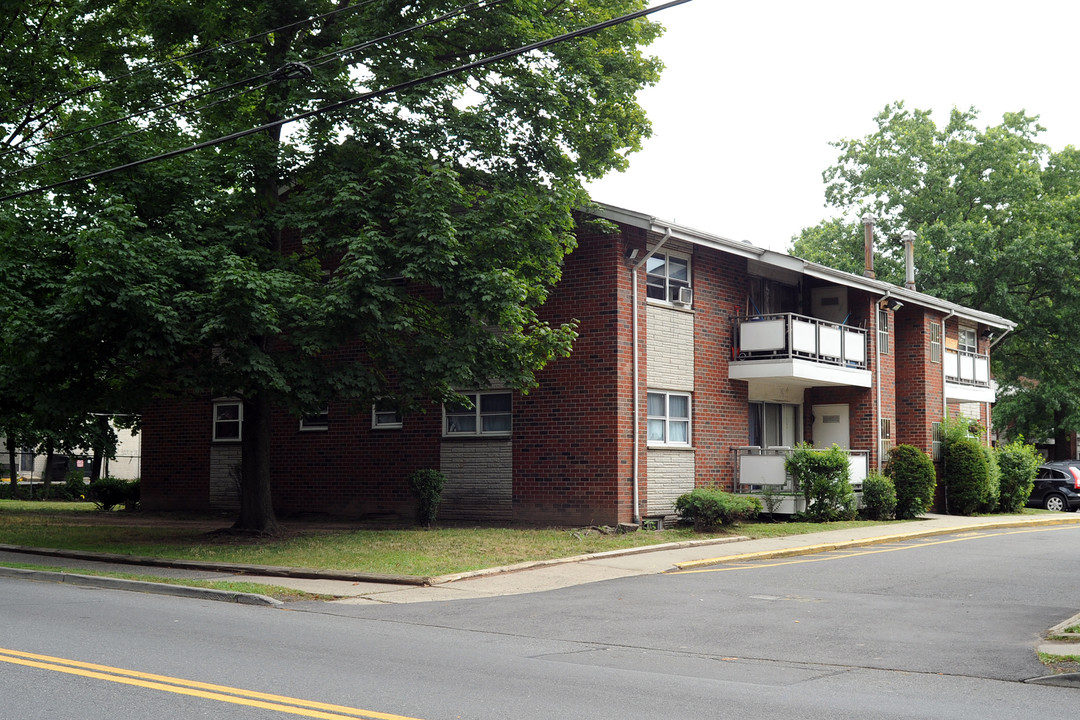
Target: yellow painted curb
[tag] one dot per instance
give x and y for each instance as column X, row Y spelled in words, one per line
column 880, row 540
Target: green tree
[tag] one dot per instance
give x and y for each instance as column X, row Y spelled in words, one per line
column 401, row 243
column 997, row 223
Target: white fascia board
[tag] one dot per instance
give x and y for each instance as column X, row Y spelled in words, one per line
column 955, row 392
column 679, row 232
column 803, row 373
column 795, row 264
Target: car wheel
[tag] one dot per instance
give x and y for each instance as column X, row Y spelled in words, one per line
column 1055, row 502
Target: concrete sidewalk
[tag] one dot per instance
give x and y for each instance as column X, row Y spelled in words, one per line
column 358, row 588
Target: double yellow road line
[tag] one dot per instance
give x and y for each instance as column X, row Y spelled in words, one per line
column 208, row 691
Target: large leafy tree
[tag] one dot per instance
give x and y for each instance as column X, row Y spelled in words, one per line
column 995, row 212
column 399, row 237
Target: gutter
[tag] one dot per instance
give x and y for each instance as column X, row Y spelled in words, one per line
column 637, row 372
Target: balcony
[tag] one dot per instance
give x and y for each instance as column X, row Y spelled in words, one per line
column 967, row 377
column 759, row 468
column 799, row 350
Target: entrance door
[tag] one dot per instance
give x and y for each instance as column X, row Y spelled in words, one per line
column 832, row 424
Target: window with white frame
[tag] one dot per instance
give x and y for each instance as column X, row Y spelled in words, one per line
column 935, row 342
column 668, row 418
column 316, row 421
column 228, row 420
column 385, row 415
column 883, row 331
column 665, row 275
column 490, row 414
column 967, row 341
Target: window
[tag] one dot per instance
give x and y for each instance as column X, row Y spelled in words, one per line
column 886, row 437
column 937, row 441
column 668, row 418
column 228, row 419
column 316, row 421
column 490, row 414
column 968, row 342
column 26, row 460
column 385, row 415
column 883, row 331
column 665, row 275
column 935, row 342
column 773, row 425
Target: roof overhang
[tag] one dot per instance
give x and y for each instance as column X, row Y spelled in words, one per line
column 791, row 263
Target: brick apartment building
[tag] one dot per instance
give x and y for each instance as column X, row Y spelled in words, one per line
column 700, row 360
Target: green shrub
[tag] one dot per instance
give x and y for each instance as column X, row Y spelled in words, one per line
column 1018, row 464
column 992, row 491
column 711, row 508
column 879, row 497
column 824, row 477
column 912, row 473
column 75, row 487
column 428, row 484
column 110, row 493
column 133, row 497
column 967, row 477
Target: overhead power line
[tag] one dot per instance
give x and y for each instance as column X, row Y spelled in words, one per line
column 539, row 45
column 289, row 71
column 56, row 100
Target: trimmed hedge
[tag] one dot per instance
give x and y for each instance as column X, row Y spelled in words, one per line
column 879, row 497
column 710, row 509
column 913, row 476
column 967, row 476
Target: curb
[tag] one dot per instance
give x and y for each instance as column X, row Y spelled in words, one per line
column 237, row 568
column 879, row 540
column 533, row 564
column 312, row 574
column 97, row 581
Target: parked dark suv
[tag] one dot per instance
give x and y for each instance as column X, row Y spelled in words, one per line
column 1057, row 486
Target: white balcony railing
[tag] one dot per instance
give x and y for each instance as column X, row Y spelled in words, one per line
column 787, row 335
column 967, row 368
column 757, row 467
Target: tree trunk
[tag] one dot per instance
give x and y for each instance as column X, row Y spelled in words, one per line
column 256, row 505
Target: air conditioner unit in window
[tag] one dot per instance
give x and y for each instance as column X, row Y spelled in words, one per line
column 685, row 296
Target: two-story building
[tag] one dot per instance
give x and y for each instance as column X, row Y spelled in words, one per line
column 700, row 361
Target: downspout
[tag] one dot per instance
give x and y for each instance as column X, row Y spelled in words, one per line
column 944, row 410
column 637, row 371
column 877, row 374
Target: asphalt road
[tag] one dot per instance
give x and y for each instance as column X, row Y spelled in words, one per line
column 942, row 627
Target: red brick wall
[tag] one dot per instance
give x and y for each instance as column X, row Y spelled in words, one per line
column 351, row 469
column 573, row 435
column 175, row 465
column 720, row 405
column 919, row 382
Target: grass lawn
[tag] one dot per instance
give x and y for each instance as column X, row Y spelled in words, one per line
column 77, row 526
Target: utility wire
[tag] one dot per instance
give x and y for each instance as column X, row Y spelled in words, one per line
column 276, row 76
column 359, row 98
column 55, row 102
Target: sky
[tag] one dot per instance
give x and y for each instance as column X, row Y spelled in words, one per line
column 754, row 92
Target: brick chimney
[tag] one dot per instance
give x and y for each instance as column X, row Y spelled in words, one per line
column 908, row 236
column 868, row 242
